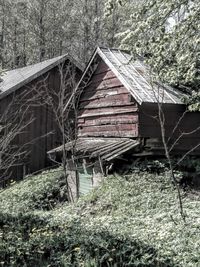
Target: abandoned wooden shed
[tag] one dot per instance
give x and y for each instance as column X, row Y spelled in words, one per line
column 20, row 92
column 118, row 111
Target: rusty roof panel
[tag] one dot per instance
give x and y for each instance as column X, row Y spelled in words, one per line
column 134, row 75
column 105, row 148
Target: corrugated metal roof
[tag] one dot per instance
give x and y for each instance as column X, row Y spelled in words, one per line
column 105, row 148
column 134, row 75
column 15, row 79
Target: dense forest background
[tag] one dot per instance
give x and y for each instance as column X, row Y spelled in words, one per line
column 165, row 32
column 34, row 30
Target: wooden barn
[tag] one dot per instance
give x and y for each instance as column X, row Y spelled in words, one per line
column 19, row 100
column 118, row 111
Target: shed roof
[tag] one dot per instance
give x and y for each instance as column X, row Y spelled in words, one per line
column 135, row 76
column 15, row 79
column 105, row 148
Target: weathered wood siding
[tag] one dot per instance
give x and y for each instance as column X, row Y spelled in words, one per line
column 149, row 126
column 43, row 133
column 106, row 107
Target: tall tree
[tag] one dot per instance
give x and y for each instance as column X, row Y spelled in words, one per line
column 167, row 34
column 2, row 31
column 34, row 30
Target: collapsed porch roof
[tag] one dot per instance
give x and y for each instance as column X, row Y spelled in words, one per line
column 105, row 148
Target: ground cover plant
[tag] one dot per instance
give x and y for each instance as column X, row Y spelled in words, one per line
column 130, row 220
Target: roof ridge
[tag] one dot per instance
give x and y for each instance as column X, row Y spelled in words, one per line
column 115, row 49
column 28, row 73
column 37, row 63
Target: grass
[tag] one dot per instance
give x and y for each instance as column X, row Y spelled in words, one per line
column 132, row 220
column 43, row 191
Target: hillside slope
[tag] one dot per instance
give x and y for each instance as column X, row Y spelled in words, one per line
column 129, row 221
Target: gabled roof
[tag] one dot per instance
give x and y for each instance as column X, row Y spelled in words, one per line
column 134, row 75
column 15, row 79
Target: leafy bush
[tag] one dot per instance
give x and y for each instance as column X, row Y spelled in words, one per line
column 43, row 191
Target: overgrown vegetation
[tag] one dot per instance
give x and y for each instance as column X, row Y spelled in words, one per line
column 128, row 221
column 42, row 192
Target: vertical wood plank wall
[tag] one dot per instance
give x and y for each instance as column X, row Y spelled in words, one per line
column 149, row 126
column 43, row 133
column 106, row 108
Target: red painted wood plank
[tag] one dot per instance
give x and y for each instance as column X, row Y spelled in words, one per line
column 122, row 97
column 103, row 76
column 95, row 94
column 111, row 128
column 109, row 134
column 106, row 111
column 114, row 82
column 102, row 104
column 116, row 119
column 102, row 67
column 80, row 121
column 105, row 102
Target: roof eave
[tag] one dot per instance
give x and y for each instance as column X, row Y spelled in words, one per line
column 82, row 77
column 162, row 103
